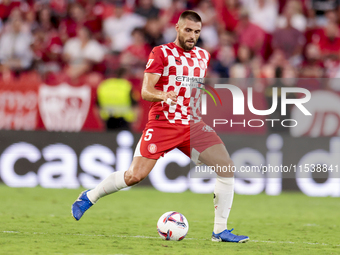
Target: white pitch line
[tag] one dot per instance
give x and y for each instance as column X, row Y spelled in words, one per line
column 288, row 242
column 154, row 237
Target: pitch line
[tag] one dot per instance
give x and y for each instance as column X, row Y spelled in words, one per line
column 154, row 237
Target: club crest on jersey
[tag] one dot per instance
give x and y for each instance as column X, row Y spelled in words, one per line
column 152, row 148
column 201, row 64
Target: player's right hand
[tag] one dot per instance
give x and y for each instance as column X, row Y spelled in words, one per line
column 170, row 98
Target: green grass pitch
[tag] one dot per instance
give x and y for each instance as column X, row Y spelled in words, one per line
column 38, row 221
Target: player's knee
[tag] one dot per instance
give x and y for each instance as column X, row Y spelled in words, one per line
column 132, row 178
column 136, row 179
column 226, row 168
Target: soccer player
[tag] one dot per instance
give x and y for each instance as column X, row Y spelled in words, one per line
column 174, row 122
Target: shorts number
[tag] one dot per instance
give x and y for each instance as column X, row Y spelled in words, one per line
column 148, row 134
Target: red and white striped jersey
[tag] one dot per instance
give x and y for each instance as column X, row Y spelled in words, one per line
column 181, row 71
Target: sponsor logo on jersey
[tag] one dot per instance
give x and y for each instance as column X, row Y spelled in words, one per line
column 190, row 80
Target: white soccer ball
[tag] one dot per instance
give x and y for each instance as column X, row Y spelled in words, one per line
column 172, row 226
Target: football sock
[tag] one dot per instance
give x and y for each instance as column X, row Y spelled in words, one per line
column 111, row 184
column 223, row 199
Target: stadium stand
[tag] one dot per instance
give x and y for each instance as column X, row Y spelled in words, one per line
column 78, row 43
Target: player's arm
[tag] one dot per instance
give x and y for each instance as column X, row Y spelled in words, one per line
column 150, row 93
column 153, row 71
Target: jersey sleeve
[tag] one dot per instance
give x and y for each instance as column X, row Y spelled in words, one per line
column 155, row 62
column 209, row 58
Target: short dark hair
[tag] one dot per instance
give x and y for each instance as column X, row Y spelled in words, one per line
column 191, row 15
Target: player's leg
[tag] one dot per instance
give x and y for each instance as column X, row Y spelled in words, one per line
column 138, row 170
column 217, row 156
column 157, row 139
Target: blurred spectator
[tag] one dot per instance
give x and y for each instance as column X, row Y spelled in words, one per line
column 118, row 28
column 329, row 46
column 330, row 41
column 30, row 18
column 82, row 53
column 311, row 19
column 312, row 67
column 208, row 33
column 238, row 72
column 278, row 59
column 146, row 9
column 46, row 21
column 321, row 7
column 249, row 34
column 256, row 64
column 47, row 45
column 136, row 55
column 116, row 101
column 293, row 11
column 15, row 52
column 99, row 10
column 263, row 13
column 162, row 4
column 170, row 17
column 47, row 49
column 267, row 71
column 94, row 10
column 16, row 14
column 68, row 27
column 77, row 17
column 58, row 6
column 224, row 55
column 228, row 14
column 289, row 73
column 290, row 41
column 154, row 32
column 331, row 16
column 242, row 68
column 6, row 7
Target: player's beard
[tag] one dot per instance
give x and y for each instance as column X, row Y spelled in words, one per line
column 182, row 42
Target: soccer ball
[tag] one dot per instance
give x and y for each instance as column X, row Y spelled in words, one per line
column 172, row 226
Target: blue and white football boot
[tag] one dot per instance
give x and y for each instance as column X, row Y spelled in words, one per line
column 81, row 205
column 227, row 236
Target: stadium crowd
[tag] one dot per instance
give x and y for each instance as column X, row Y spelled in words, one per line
column 246, row 38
